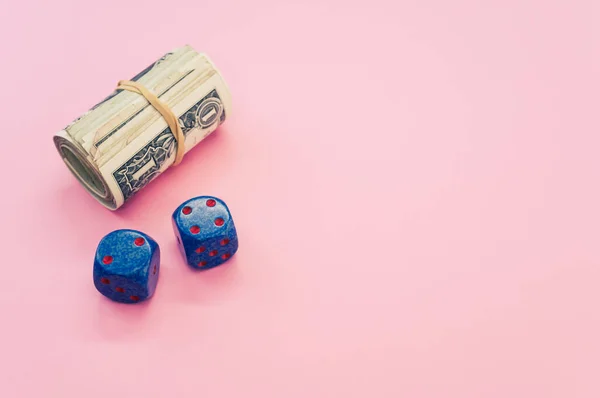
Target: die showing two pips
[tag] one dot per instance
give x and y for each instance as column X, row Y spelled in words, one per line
column 127, row 262
column 126, row 266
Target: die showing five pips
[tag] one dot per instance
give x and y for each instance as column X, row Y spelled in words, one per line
column 205, row 232
column 127, row 262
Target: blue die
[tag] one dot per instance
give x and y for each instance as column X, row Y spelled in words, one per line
column 205, row 232
column 126, row 266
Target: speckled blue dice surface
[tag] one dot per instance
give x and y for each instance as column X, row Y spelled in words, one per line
column 126, row 266
column 205, row 232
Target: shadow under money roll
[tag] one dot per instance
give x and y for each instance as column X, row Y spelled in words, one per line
column 125, row 141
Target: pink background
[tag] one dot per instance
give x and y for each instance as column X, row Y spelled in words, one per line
column 415, row 185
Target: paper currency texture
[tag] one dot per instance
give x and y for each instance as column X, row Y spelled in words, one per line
column 122, row 143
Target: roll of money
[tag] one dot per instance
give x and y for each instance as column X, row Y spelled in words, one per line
column 122, row 143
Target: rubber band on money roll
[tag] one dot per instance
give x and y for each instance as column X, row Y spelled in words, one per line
column 121, row 144
column 163, row 109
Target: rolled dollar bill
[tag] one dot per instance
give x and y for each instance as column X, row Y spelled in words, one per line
column 122, row 143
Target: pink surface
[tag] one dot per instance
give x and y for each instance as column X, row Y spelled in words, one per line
column 415, row 185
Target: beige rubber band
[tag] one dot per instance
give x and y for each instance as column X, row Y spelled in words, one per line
column 164, row 110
